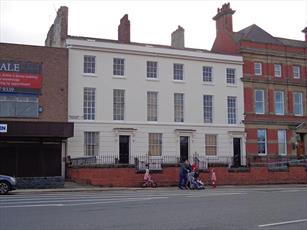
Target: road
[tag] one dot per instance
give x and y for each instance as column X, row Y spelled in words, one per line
column 258, row 207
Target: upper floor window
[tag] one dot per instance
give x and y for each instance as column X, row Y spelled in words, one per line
column 279, row 102
column 178, row 72
column 208, row 108
column 232, row 110
column 179, row 107
column 277, row 70
column 152, row 106
column 89, row 64
column 118, row 104
column 18, row 106
column 207, row 74
column 210, row 145
column 258, row 68
column 298, row 103
column 91, row 143
column 152, row 69
column 155, row 144
column 230, row 76
column 296, row 72
column 89, row 101
column 259, row 101
column 119, row 66
column 262, row 141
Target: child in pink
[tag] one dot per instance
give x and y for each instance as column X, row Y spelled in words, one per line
column 213, row 178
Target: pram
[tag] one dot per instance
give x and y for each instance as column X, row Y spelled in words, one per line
column 194, row 181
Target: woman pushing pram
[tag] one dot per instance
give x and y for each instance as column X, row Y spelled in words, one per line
column 193, row 179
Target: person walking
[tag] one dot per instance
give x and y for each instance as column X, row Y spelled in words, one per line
column 183, row 174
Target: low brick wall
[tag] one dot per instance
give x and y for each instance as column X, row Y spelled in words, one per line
column 40, row 182
column 128, row 177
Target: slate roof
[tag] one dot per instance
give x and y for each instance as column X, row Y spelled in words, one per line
column 256, row 34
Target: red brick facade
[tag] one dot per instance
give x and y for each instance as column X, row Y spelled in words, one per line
column 257, row 46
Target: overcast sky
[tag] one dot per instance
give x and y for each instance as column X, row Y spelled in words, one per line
column 27, row 22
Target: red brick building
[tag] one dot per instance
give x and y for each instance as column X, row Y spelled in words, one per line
column 34, row 123
column 275, row 87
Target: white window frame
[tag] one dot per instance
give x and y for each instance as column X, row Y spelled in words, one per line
column 262, row 142
column 152, row 106
column 89, row 103
column 178, row 72
column 208, row 108
column 262, row 102
column 209, row 144
column 91, row 143
column 281, row 103
column 89, row 64
column 299, row 104
column 178, row 107
column 296, row 72
column 119, row 68
column 258, row 68
column 208, row 74
column 152, row 70
column 232, row 110
column 155, row 144
column 282, row 142
column 231, row 76
column 118, row 104
column 277, row 70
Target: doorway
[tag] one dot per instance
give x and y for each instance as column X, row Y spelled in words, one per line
column 236, row 152
column 124, row 149
column 184, row 148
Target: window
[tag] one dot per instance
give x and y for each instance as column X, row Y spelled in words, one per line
column 259, row 101
column 282, row 145
column 277, row 70
column 207, row 74
column 296, row 72
column 118, row 104
column 261, row 141
column 152, row 106
column 232, row 111
column 152, row 69
column 279, row 102
column 89, row 103
column 178, row 72
column 258, row 68
column 208, row 107
column 89, row 64
column 230, row 75
column 18, row 106
column 155, row 144
column 91, row 143
column 118, row 66
column 210, row 145
column 178, row 107
column 298, row 103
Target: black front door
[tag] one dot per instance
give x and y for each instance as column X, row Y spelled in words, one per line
column 237, row 152
column 184, row 148
column 124, row 149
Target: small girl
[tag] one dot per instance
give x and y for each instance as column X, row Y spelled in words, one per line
column 213, row 178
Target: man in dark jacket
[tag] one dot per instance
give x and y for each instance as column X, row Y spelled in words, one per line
column 183, row 174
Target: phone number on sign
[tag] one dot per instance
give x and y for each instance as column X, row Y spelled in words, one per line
column 7, row 89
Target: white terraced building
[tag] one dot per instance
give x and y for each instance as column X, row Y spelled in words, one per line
column 130, row 99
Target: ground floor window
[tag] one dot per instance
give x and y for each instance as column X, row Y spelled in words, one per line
column 91, row 143
column 155, row 144
column 282, row 145
column 262, row 141
column 210, row 145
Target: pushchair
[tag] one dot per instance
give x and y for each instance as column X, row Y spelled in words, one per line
column 195, row 182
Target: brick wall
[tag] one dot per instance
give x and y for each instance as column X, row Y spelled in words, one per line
column 54, row 92
column 128, row 177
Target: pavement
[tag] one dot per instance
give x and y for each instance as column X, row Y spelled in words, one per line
column 70, row 186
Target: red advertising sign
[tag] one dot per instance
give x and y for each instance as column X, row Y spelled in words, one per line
column 20, row 77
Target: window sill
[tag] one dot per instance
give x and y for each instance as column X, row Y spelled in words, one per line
column 209, row 83
column 179, row 81
column 152, row 79
column 119, row 77
column 232, row 85
column 89, row 75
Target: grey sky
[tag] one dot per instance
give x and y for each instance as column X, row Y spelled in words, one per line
column 27, row 22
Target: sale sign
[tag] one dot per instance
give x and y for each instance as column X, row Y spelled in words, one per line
column 20, row 77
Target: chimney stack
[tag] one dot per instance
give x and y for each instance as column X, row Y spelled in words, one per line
column 223, row 18
column 305, row 32
column 178, row 38
column 124, row 30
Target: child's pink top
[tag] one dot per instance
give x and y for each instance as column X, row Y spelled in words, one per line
column 213, row 176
